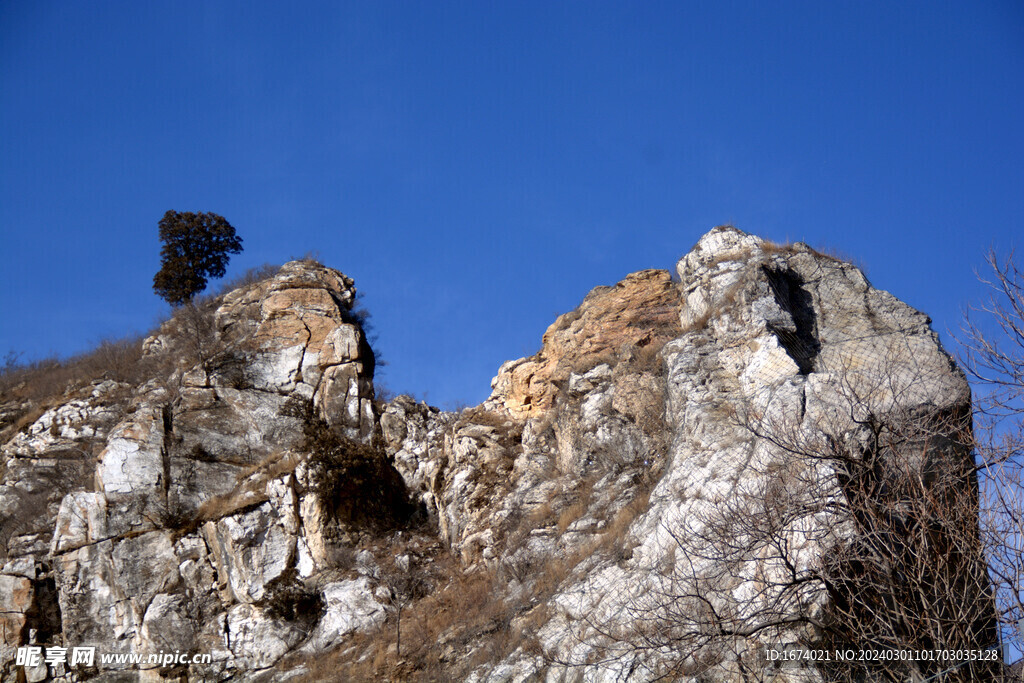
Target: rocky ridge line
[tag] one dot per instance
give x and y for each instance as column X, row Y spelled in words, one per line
column 257, row 504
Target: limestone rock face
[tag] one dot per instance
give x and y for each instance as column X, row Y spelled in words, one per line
column 132, row 508
column 351, row 606
column 299, row 337
column 253, row 548
column 239, row 503
column 15, row 601
column 779, row 347
column 418, row 437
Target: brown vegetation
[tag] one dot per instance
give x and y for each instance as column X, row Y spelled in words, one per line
column 35, row 386
column 993, row 354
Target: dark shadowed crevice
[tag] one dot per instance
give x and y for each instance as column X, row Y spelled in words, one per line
column 801, row 341
column 44, row 616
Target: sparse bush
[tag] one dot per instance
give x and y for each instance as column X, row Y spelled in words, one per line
column 570, row 514
column 588, row 362
column 356, row 482
column 288, row 599
column 404, row 586
column 248, row 278
column 28, row 390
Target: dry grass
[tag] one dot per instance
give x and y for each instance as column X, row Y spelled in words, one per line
column 624, row 518
column 440, row 634
column 488, row 418
column 827, row 253
column 221, row 506
column 716, row 308
column 115, row 359
column 557, row 571
column 30, row 389
column 249, row 492
column 742, row 254
column 120, row 359
column 467, row 621
column 588, row 362
column 769, row 247
column 249, row 277
column 571, row 514
column 273, row 466
column 27, row 419
column 311, row 257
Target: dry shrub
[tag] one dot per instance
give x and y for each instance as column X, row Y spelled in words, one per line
column 355, row 481
column 249, row 277
column 49, row 378
column 539, row 516
column 287, row 598
column 311, row 257
column 440, row 633
column 585, row 363
column 646, row 359
column 571, row 514
column 564, row 321
column 510, row 430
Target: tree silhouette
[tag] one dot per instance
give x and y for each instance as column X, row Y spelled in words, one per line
column 197, row 246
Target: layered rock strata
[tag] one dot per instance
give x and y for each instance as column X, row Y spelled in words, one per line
column 618, row 486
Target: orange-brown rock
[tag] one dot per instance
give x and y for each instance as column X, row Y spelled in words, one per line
column 641, row 311
column 15, row 601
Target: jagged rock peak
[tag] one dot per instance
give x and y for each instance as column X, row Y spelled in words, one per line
column 555, row 532
column 639, row 312
column 292, row 278
column 294, row 334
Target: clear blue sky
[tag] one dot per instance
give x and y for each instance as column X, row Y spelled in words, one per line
column 477, row 167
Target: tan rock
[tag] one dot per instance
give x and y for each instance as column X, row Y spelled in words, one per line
column 15, row 601
column 298, row 337
column 641, row 310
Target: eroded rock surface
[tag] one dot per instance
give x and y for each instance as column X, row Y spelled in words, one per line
column 252, row 503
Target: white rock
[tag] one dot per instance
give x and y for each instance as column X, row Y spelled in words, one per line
column 350, row 606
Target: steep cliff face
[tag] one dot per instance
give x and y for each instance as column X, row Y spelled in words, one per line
column 673, row 483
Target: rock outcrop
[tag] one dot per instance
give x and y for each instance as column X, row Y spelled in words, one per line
column 614, row 501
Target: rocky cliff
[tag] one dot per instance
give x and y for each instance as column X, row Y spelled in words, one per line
column 687, row 472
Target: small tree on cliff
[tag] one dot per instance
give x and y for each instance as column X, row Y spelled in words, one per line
column 196, row 246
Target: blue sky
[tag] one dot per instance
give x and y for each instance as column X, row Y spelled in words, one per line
column 478, row 167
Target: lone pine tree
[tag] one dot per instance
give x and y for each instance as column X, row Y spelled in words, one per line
column 196, row 247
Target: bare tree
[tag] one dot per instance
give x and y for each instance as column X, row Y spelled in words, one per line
column 868, row 543
column 852, row 530
column 992, row 342
column 404, row 583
